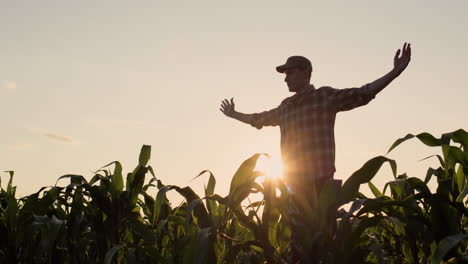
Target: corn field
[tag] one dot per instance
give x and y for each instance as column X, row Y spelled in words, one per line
column 115, row 219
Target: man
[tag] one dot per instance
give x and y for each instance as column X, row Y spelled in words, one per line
column 307, row 118
column 307, row 121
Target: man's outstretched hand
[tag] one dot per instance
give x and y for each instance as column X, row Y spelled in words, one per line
column 227, row 107
column 401, row 62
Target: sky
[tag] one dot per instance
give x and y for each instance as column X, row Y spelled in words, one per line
column 84, row 83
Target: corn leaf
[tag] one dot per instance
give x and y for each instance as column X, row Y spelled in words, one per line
column 446, row 245
column 374, row 189
column 145, row 155
column 350, row 188
column 110, row 254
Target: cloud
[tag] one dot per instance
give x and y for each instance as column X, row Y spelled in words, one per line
column 9, row 85
column 53, row 136
column 63, row 139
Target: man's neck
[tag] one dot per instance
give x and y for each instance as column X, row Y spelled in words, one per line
column 305, row 88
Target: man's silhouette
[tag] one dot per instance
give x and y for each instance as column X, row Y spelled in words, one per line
column 307, row 121
column 307, row 118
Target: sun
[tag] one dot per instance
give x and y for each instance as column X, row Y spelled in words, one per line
column 272, row 166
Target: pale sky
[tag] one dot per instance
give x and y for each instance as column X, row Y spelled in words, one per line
column 84, row 83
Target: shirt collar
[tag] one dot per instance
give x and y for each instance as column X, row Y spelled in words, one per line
column 305, row 91
column 295, row 98
column 310, row 89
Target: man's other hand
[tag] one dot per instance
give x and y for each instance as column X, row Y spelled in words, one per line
column 227, row 107
column 400, row 63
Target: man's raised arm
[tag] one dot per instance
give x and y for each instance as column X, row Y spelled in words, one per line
column 227, row 107
column 258, row 120
column 350, row 98
column 399, row 65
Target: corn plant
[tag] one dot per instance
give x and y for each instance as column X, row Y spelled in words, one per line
column 111, row 220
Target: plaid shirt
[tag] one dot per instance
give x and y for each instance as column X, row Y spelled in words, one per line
column 307, row 121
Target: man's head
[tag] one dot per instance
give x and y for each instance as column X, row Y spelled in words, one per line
column 298, row 72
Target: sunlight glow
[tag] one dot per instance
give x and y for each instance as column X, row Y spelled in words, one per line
column 272, row 166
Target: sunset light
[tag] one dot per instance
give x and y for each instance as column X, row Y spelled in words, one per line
column 236, row 132
column 272, row 166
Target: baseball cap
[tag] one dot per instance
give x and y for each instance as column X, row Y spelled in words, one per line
column 295, row 62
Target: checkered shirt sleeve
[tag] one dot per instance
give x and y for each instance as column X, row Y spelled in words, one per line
column 350, row 98
column 266, row 118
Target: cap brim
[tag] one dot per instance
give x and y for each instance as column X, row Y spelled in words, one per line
column 282, row 68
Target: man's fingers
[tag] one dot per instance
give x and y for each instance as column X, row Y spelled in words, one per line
column 397, row 54
column 227, row 106
column 407, row 51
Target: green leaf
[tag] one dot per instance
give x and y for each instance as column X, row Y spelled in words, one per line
column 10, row 189
column 398, row 226
column 302, row 206
column 379, row 205
column 73, row 178
column 145, row 155
column 461, row 136
column 241, row 192
column 424, row 137
column 210, row 204
column 431, row 172
column 150, row 169
column 159, row 201
column 463, row 194
column 429, row 140
column 110, row 254
column 362, row 225
column 446, row 245
column 190, row 208
column 218, row 198
column 400, row 189
column 117, row 178
column 204, row 247
column 11, row 212
column 419, row 185
column 211, row 185
column 135, row 182
column 246, row 221
column 374, row 189
column 399, row 141
column 199, row 210
column 460, row 178
column 96, row 178
column 54, row 226
column 201, row 173
column 116, row 183
column 356, row 205
column 244, row 174
column 364, row 174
